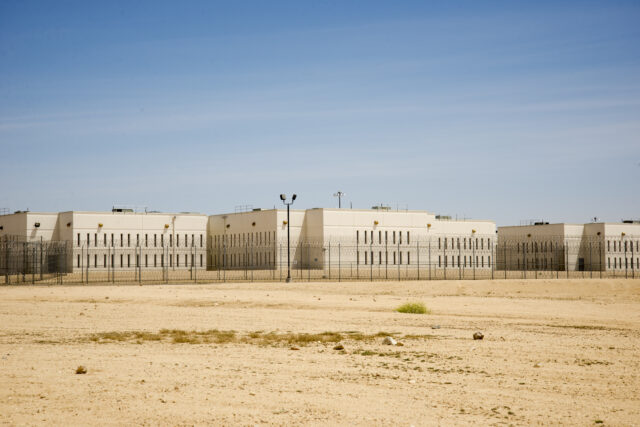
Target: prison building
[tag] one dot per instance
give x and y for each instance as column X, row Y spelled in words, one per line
column 355, row 237
column 115, row 241
column 600, row 246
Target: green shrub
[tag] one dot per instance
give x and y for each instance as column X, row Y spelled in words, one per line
column 413, row 308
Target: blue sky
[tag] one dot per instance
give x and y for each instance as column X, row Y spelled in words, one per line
column 491, row 110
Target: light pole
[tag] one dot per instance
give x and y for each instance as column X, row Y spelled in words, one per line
column 339, row 195
column 283, row 197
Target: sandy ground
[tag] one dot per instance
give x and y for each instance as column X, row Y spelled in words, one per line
column 554, row 352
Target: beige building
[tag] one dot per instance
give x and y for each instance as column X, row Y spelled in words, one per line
column 355, row 237
column 573, row 247
column 115, row 241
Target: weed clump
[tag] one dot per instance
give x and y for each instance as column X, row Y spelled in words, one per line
column 413, row 308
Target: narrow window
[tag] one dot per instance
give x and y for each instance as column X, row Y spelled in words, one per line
column 129, row 260
column 95, row 240
column 121, row 261
column 358, row 257
column 78, row 260
column 439, row 260
column 394, row 239
column 171, row 240
column 408, row 242
column 380, row 257
column 78, row 242
column 409, row 253
column 200, row 260
column 357, row 236
column 394, row 257
column 386, row 237
column 105, row 240
column 121, row 241
column 146, row 260
column 379, row 237
column 201, row 246
column 162, row 240
column 155, row 260
column 400, row 242
column 365, row 239
column 439, row 243
column 372, row 237
column 177, row 242
column 105, row 261
column 365, row 256
column 112, row 240
column 128, row 240
column 88, row 239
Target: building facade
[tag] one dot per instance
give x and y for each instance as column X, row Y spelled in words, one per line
column 121, row 240
column 355, row 237
column 570, row 247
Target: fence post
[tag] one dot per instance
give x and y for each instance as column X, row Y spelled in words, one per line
column 505, row 258
column 398, row 258
column 339, row 264
column 41, row 262
column 444, row 257
column 371, row 259
column 473, row 261
column 493, row 257
column 386, row 256
column 418, row 256
column 429, row 260
column 329, row 257
column 566, row 259
column 357, row 261
column 459, row 253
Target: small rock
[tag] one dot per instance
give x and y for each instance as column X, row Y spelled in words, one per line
column 389, row 341
column 294, row 348
column 81, row 370
column 478, row 336
column 399, row 344
column 339, row 347
column 435, row 326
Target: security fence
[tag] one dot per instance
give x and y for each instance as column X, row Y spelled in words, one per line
column 436, row 258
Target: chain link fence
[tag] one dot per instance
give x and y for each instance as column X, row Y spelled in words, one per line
column 437, row 258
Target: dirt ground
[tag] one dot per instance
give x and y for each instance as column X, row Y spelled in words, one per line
column 554, row 352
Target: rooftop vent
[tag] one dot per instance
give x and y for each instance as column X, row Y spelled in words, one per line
column 381, row 208
column 540, row 223
column 121, row 210
column 631, row 221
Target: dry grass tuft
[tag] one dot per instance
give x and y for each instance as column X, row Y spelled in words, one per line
column 261, row 338
column 413, row 308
